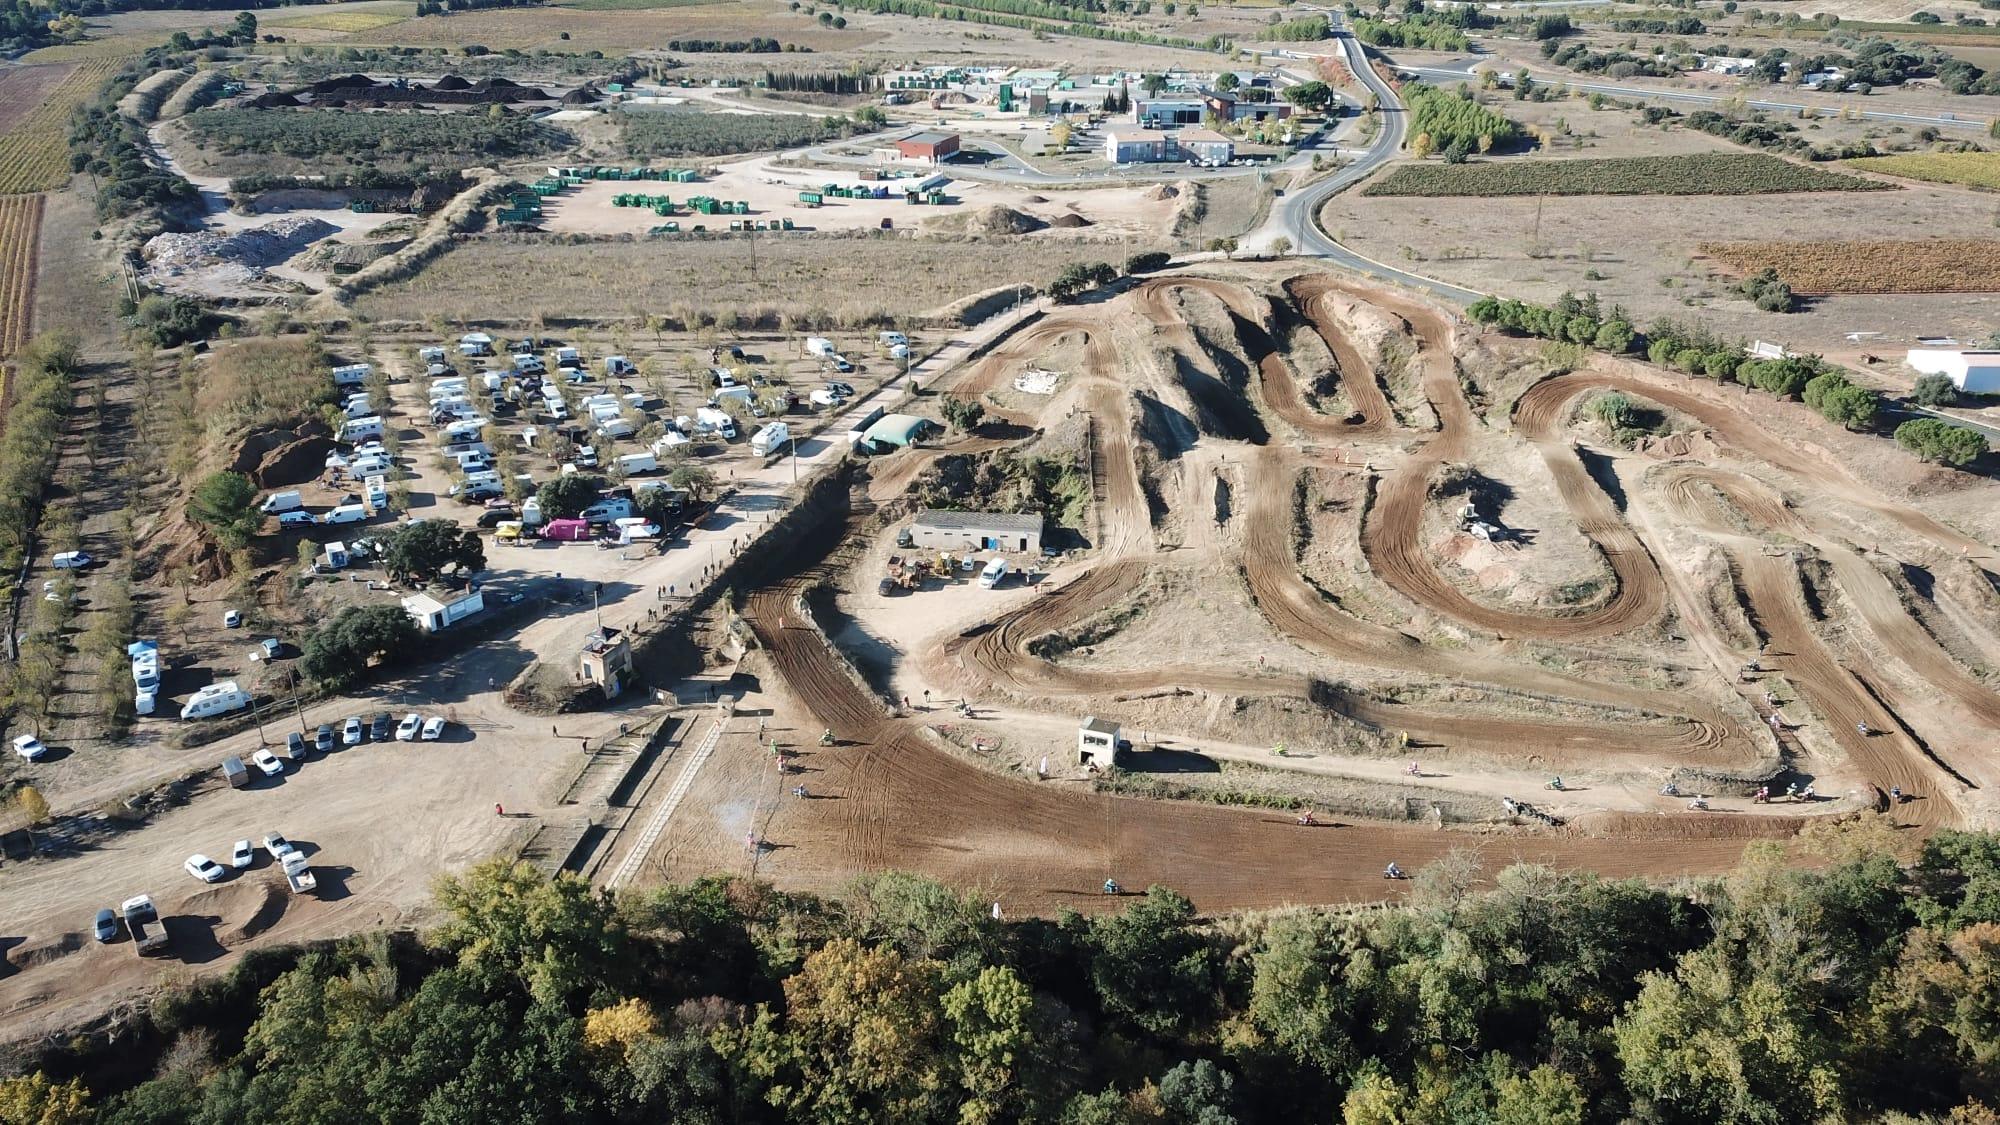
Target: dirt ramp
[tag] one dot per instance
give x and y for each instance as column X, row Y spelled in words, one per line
column 269, row 907
column 32, row 956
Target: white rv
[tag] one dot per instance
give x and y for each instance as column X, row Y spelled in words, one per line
column 216, row 699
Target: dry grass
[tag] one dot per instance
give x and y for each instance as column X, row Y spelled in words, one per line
column 24, row 88
column 1972, row 169
column 1960, row 265
column 615, row 31
column 820, row 278
column 110, row 47
column 336, row 20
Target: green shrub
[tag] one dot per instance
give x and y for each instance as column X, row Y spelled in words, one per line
column 1940, row 441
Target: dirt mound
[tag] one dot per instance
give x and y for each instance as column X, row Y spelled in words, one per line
column 223, row 900
column 268, row 245
column 275, row 897
column 1161, row 191
column 999, row 219
column 29, row 956
column 1034, row 199
column 345, row 82
column 451, row 82
column 1070, row 222
column 1698, row 444
column 582, row 95
column 275, row 100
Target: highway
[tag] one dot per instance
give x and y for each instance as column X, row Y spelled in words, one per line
column 1466, row 70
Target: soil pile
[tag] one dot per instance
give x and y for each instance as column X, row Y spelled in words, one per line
column 268, row 245
column 1070, row 222
column 999, row 219
column 451, row 82
column 1161, row 191
column 582, row 95
column 1034, row 199
column 345, row 82
column 275, row 100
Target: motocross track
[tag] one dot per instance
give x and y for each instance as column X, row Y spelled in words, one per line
column 1048, row 845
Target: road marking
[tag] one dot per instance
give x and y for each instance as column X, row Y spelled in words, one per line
column 658, row 825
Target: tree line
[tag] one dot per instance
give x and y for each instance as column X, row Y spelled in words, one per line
column 1819, row 980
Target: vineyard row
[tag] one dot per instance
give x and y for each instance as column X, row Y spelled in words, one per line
column 20, row 235
column 34, row 154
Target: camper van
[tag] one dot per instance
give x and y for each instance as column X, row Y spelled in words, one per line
column 471, row 460
column 361, row 429
column 606, row 510
column 819, row 347
column 467, row 429
column 630, row 463
column 567, row 531
column 346, row 513
column 351, row 375
column 281, row 502
column 216, row 699
column 620, row 427
column 711, row 419
column 569, row 358
column 617, row 367
column 994, row 573
column 633, row 529
column 743, row 395
column 369, row 466
column 771, row 439
column 475, row 343
column 428, row 356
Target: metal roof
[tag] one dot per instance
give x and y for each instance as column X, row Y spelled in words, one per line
column 898, row 429
column 940, row 519
column 1095, row 725
column 928, row 137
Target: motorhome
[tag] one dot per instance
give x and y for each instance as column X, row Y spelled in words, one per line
column 281, row 502
column 819, row 347
column 361, row 429
column 569, row 358
column 616, row 427
column 771, row 439
column 429, row 356
column 475, row 343
column 606, row 510
column 351, row 375
column 743, row 395
column 708, row 418
column 465, row 429
column 216, row 699
column 630, row 463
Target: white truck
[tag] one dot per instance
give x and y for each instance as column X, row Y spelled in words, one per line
column 630, row 463
column 708, row 418
column 774, row 437
column 282, row 502
column 819, row 347
column 298, row 874
column 617, row 367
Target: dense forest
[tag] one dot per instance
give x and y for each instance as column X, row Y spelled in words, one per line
column 1821, row 980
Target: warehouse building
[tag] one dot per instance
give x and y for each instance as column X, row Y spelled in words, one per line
column 939, row 530
column 1974, row 372
column 928, row 147
column 437, row 611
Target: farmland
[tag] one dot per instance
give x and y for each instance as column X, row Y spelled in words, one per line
column 20, row 234
column 341, row 20
column 646, row 134
column 433, row 139
column 34, row 152
column 1723, row 173
column 1820, row 268
column 23, row 88
column 632, row 5
column 1970, row 169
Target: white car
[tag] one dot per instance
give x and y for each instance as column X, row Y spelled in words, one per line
column 277, row 845
column 204, row 868
column 406, row 731
column 30, row 747
column 433, row 728
column 825, row 397
column 350, row 732
column 241, row 855
column 232, row 619
column 268, row 762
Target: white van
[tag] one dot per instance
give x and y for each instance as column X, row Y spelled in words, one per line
column 742, row 394
column 346, row 513
column 369, row 466
column 819, row 346
column 281, row 502
column 617, row 366
column 71, row 560
column 891, row 339
column 471, row 460
column 616, row 427
column 711, row 419
column 993, row 574
column 428, row 356
column 604, row 511
column 629, row 463
column 569, row 357
column 360, row 429
column 216, row 699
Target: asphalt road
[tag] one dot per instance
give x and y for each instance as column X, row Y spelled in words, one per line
column 1465, row 70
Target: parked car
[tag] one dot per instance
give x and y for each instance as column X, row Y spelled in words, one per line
column 105, row 926
column 407, row 730
column 433, row 728
column 840, row 388
column 232, row 619
column 30, row 747
column 351, row 732
column 241, row 855
column 204, row 868
column 72, row 560
column 296, row 519
column 277, row 845
column 494, row 517
column 323, row 738
column 379, row 729
column 295, row 745
column 268, row 762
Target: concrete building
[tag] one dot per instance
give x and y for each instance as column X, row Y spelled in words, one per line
column 1166, row 112
column 1205, row 146
column 928, row 147
column 1974, row 372
column 439, row 611
column 606, row 660
column 939, row 530
column 1138, row 146
column 1234, row 107
column 1097, row 742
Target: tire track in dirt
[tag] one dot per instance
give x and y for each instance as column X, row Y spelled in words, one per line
column 1889, row 757
column 1309, row 293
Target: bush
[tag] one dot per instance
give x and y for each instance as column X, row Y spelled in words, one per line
column 1940, row 441
column 1934, row 391
column 717, row 134
column 1768, row 292
column 1147, row 261
column 227, row 502
column 166, row 321
column 337, row 653
column 311, row 133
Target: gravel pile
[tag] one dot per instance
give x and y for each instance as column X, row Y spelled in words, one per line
column 267, row 245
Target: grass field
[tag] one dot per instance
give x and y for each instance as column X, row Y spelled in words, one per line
column 344, row 21
column 20, row 236
column 1722, row 173
column 110, row 47
column 632, row 5
column 1971, row 169
column 1959, row 265
column 34, row 153
column 848, row 279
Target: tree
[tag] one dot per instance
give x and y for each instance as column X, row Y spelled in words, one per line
column 567, row 495
column 1223, row 246
column 1059, row 135
column 422, row 551
column 1227, row 81
column 34, row 809
column 1421, row 145
column 1281, row 246
column 1314, row 96
column 1198, row 1093
column 227, row 502
column 1149, row 965
column 1856, row 408
column 1935, row 440
column 691, row 479
column 339, row 652
column 1153, row 84
column 1147, row 261
column 556, row 936
column 1934, row 391
column 963, row 414
column 34, row 1100
column 244, row 29
column 1004, row 1057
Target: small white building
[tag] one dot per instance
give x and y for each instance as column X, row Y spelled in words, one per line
column 433, row 613
column 935, row 529
column 1096, row 742
column 1974, row 372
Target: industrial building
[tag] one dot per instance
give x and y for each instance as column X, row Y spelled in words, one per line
column 1161, row 113
column 940, row 530
column 928, row 147
column 1151, row 146
column 1974, row 372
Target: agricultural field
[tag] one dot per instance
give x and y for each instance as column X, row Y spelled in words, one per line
column 1970, row 169
column 1722, row 173
column 20, row 235
column 632, row 5
column 25, row 87
column 377, row 138
column 1963, row 265
column 34, row 151
column 344, row 21
column 654, row 134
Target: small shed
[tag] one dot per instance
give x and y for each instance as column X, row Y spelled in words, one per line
column 606, row 660
column 1973, row 372
column 1096, row 742
column 441, row 610
column 894, row 431
column 939, row 530
column 928, row 147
